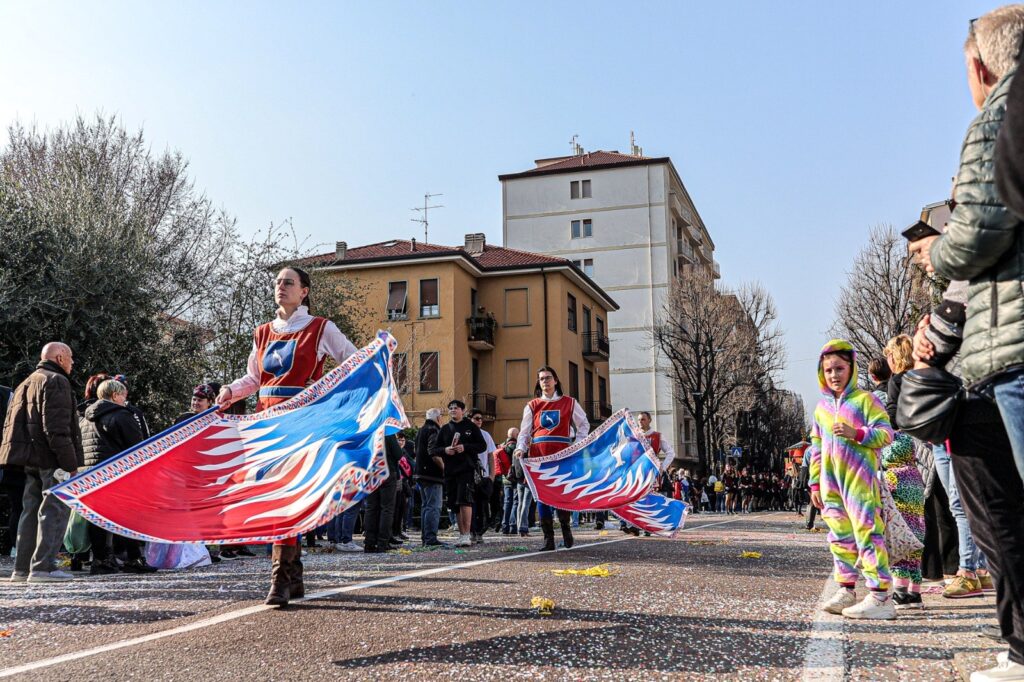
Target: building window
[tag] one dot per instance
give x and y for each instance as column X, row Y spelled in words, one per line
column 574, row 380
column 581, row 228
column 588, row 387
column 428, row 298
column 586, row 320
column 579, row 189
column 400, row 367
column 517, row 378
column 572, row 313
column 517, row 307
column 397, row 300
column 586, row 265
column 428, row 372
column 600, row 326
column 602, row 390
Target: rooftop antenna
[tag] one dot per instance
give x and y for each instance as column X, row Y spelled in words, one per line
column 634, row 149
column 577, row 148
column 424, row 212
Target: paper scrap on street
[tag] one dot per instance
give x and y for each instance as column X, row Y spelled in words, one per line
column 544, row 606
column 750, row 555
column 599, row 571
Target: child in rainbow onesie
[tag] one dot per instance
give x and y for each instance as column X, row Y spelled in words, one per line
column 850, row 427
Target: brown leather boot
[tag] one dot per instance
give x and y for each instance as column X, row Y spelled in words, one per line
column 280, row 575
column 548, row 528
column 296, row 589
column 565, row 521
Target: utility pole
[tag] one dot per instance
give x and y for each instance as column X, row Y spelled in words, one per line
column 424, row 212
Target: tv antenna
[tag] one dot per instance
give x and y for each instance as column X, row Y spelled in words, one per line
column 424, row 212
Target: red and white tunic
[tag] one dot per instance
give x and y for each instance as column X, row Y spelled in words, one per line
column 548, row 425
column 288, row 355
column 662, row 447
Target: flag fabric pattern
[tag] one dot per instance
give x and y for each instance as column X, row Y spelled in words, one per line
column 655, row 514
column 611, row 467
column 253, row 478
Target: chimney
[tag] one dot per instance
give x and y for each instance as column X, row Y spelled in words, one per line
column 475, row 243
column 339, row 250
column 412, row 246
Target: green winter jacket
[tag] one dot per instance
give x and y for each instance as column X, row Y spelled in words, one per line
column 983, row 244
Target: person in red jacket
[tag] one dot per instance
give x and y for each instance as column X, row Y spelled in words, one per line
column 287, row 355
column 551, row 421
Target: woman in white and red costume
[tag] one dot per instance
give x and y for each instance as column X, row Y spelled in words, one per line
column 549, row 423
column 287, row 355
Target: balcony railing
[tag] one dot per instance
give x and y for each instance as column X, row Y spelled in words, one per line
column 481, row 332
column 486, row 403
column 685, row 249
column 597, row 411
column 595, row 346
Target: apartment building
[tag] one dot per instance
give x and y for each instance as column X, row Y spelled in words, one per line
column 628, row 223
column 476, row 321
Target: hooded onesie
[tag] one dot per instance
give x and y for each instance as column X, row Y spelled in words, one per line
column 845, row 472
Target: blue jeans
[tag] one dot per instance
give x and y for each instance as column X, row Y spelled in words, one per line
column 508, row 509
column 1008, row 390
column 348, row 522
column 430, row 511
column 971, row 557
column 525, row 500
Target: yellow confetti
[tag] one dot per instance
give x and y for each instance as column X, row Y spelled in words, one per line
column 602, row 534
column 544, row 606
column 599, row 571
column 6, row 633
column 750, row 555
column 404, row 551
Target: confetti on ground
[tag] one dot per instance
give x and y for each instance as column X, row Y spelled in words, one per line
column 515, row 548
column 402, row 550
column 750, row 555
column 815, row 530
column 544, row 606
column 6, row 633
column 602, row 534
column 599, row 571
column 705, row 542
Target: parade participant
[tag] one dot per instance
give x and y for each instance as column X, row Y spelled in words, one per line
column 548, row 422
column 202, row 399
column 850, row 426
column 287, row 355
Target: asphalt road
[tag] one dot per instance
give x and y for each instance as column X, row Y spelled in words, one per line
column 690, row 608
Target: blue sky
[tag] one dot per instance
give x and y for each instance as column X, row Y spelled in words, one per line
column 795, row 126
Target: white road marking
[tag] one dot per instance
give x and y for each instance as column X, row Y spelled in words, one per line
column 248, row 611
column 825, row 657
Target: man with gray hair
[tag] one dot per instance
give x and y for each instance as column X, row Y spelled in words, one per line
column 41, row 434
column 429, row 478
column 983, row 243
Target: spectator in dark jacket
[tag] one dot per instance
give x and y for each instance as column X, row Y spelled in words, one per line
column 41, row 435
column 380, row 504
column 429, row 478
column 12, row 483
column 509, row 483
column 108, row 428
column 460, row 443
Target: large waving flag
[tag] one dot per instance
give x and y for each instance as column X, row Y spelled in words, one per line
column 612, row 467
column 253, row 478
column 654, row 513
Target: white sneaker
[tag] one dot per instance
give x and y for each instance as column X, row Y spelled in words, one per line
column 51, row 577
column 19, row 577
column 465, row 540
column 349, row 546
column 871, row 608
column 843, row 598
column 1005, row 671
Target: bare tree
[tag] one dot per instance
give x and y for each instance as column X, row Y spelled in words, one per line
column 884, row 295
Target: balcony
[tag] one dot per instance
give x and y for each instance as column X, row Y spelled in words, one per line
column 685, row 249
column 595, row 347
column 486, row 403
column 481, row 332
column 716, row 269
column 597, row 411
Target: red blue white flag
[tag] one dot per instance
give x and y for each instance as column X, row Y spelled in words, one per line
column 253, row 478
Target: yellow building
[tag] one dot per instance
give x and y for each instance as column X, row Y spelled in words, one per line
column 476, row 322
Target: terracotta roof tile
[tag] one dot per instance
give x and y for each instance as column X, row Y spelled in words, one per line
column 597, row 158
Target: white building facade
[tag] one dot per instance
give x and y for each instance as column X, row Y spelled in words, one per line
column 629, row 223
